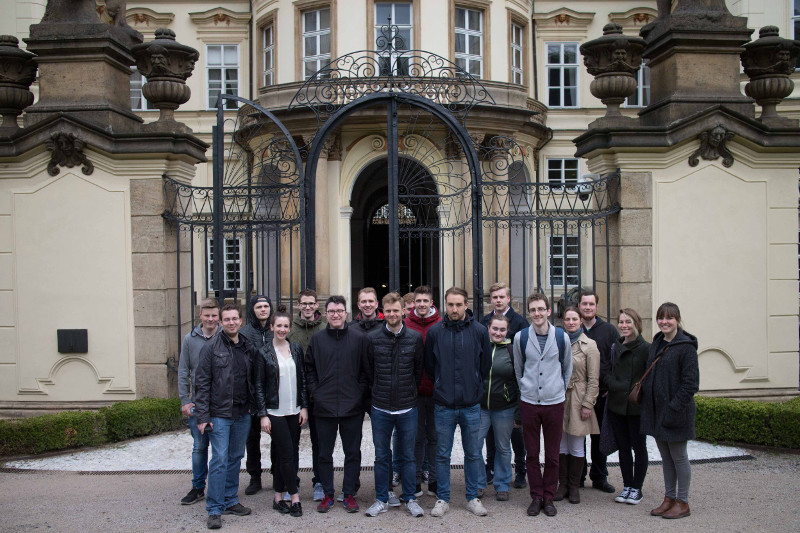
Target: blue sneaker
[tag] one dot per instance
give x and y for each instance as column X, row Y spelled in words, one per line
column 319, row 492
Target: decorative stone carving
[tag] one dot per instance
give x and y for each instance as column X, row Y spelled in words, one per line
column 17, row 71
column 712, row 146
column 166, row 64
column 768, row 62
column 333, row 147
column 613, row 60
column 67, row 151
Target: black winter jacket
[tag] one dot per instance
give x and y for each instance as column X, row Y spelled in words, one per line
column 516, row 322
column 500, row 386
column 630, row 362
column 267, row 378
column 336, row 372
column 605, row 335
column 458, row 356
column 667, row 408
column 394, row 367
column 253, row 331
column 214, row 381
column 366, row 326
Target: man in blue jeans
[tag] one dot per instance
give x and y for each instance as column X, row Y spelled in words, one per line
column 394, row 367
column 193, row 343
column 457, row 359
column 222, row 405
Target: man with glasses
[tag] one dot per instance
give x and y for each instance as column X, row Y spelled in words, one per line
column 338, row 382
column 543, row 364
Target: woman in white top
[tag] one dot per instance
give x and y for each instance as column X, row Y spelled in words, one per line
column 282, row 402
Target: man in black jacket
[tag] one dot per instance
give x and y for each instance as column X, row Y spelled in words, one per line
column 500, row 296
column 369, row 316
column 336, row 375
column 394, row 365
column 604, row 334
column 223, row 400
column 457, row 359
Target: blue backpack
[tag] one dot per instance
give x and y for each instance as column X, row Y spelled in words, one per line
column 523, row 342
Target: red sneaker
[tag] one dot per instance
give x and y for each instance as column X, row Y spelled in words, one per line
column 326, row 504
column 350, row 503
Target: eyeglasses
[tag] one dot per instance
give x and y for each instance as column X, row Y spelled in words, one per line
column 335, row 311
column 539, row 310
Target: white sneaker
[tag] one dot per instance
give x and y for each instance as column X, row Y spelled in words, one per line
column 395, row 479
column 475, row 507
column 623, row 496
column 414, row 509
column 634, row 497
column 377, row 508
column 394, row 501
column 340, row 497
column 440, row 508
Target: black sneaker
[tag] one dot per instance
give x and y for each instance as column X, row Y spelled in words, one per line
column 418, row 490
column 194, row 496
column 214, row 521
column 432, row 488
column 489, row 476
column 254, row 486
column 519, row 481
column 238, row 509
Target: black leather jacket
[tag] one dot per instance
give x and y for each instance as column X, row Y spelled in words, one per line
column 267, row 378
column 214, row 381
column 394, row 366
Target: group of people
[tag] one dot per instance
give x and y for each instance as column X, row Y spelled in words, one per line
column 419, row 375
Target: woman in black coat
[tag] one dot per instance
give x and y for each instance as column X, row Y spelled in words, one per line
column 667, row 408
column 630, row 353
column 282, row 402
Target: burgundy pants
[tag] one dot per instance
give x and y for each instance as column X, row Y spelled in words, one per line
column 548, row 419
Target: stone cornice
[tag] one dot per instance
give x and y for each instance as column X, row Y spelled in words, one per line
column 222, row 22
column 563, row 19
column 146, row 20
column 633, row 19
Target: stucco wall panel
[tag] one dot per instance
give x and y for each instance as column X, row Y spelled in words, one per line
column 8, row 349
column 783, row 261
column 783, row 334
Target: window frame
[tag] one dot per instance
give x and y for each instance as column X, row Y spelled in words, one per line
column 571, row 261
column 268, row 48
column 564, row 181
column 320, row 59
column 394, row 57
column 520, row 47
column 145, row 104
column 223, row 68
column 562, row 67
column 227, row 243
column 642, row 89
column 467, row 56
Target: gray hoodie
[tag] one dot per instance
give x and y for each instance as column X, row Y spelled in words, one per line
column 542, row 379
column 193, row 342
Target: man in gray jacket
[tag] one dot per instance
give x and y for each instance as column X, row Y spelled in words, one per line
column 193, row 342
column 543, row 364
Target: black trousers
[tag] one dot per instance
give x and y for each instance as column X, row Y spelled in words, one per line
column 349, row 429
column 253, row 447
column 598, row 472
column 312, row 433
column 285, row 450
column 517, row 444
column 626, row 432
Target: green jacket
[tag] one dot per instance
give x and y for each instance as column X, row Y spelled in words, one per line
column 303, row 329
column 630, row 362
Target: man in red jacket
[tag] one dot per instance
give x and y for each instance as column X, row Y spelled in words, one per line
column 421, row 319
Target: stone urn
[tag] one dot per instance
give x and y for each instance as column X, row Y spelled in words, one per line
column 17, row 72
column 166, row 64
column 768, row 62
column 613, row 59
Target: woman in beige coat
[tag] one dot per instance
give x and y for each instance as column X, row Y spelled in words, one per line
column 579, row 417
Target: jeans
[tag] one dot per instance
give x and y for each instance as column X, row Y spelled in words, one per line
column 626, row 433
column 502, row 422
column 469, row 420
column 517, row 444
column 228, row 439
column 405, row 428
column 199, row 455
column 395, row 459
column 349, row 429
column 426, row 431
column 547, row 419
column 677, row 469
column 285, row 447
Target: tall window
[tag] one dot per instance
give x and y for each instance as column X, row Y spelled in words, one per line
column 562, row 74
column 469, row 40
column 563, row 261
column 562, row 172
column 232, row 251
column 516, row 54
column 222, row 71
column 641, row 98
column 796, row 25
column 316, row 40
column 393, row 14
column 138, row 101
column 268, row 56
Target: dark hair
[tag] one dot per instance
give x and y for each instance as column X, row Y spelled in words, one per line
column 335, row 299
column 231, row 307
column 456, row 290
column 307, row 292
column 637, row 320
column 423, row 289
column 281, row 313
column 589, row 293
column 573, row 309
column 537, row 297
column 501, row 318
column 669, row 310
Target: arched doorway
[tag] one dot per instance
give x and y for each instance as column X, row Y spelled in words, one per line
column 418, row 259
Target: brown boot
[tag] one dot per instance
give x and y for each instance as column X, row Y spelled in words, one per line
column 678, row 510
column 574, row 471
column 664, row 507
column 563, row 488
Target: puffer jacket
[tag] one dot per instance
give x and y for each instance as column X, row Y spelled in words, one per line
column 303, row 329
column 422, row 325
column 630, row 362
column 458, row 356
column 500, row 390
column 365, row 326
column 266, row 378
column 253, row 331
column 214, row 381
column 394, row 367
column 667, row 409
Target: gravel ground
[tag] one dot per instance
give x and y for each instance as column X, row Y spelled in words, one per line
column 762, row 494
